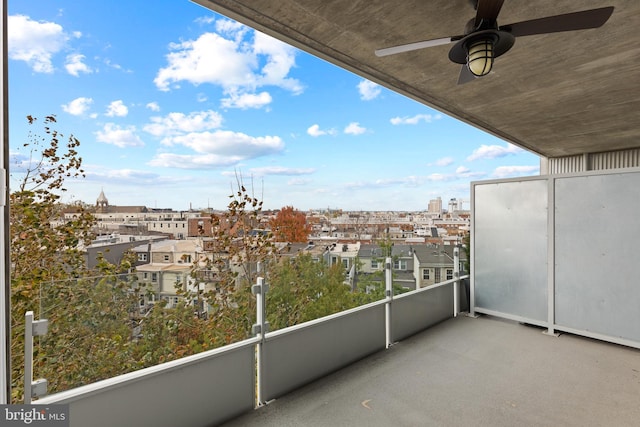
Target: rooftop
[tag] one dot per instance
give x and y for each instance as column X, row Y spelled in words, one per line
column 471, row 371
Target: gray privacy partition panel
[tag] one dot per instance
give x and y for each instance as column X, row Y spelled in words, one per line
column 197, row 391
column 596, row 241
column 416, row 311
column 510, row 225
column 295, row 356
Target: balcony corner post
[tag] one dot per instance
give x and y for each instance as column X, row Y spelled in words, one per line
column 389, row 298
column 260, row 328
column 456, row 284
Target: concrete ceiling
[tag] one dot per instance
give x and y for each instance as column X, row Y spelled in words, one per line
column 555, row 94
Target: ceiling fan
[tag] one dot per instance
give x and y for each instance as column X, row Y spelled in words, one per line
column 484, row 40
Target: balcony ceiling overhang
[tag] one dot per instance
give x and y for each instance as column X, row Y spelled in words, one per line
column 555, row 94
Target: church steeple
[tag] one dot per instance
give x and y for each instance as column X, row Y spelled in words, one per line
column 102, row 204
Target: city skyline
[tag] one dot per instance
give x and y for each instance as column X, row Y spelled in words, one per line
column 171, row 103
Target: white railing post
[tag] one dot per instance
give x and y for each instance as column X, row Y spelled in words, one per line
column 389, row 297
column 32, row 328
column 260, row 328
column 456, row 284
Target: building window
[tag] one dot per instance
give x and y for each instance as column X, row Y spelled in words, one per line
column 374, row 264
column 166, row 258
column 437, row 278
column 345, row 262
column 400, row 264
column 142, row 257
column 449, row 273
column 145, row 275
column 154, row 277
column 425, row 274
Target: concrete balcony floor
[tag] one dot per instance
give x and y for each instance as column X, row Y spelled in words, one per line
column 466, row 371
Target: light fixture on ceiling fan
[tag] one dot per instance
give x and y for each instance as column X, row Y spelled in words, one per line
column 484, row 40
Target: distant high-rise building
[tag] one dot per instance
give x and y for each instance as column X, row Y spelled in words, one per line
column 454, row 206
column 435, row 206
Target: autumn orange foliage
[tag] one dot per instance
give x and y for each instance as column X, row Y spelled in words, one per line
column 290, row 225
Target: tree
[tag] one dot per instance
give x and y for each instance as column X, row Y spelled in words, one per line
column 88, row 312
column 301, row 289
column 290, row 225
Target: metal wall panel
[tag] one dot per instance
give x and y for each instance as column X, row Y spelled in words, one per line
column 418, row 310
column 596, row 238
column 615, row 159
column 510, row 247
column 567, row 164
column 197, row 391
column 295, row 356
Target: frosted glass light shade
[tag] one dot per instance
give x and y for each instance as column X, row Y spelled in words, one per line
column 480, row 57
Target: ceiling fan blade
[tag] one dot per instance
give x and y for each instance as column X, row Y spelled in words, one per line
column 465, row 75
column 488, row 10
column 415, row 46
column 592, row 18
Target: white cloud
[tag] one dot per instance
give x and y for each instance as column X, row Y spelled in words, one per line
column 298, row 181
column 236, row 58
column 280, row 59
column 179, row 123
column 209, row 59
column 514, row 171
column 78, row 106
column 445, row 161
column 191, row 161
column 153, row 106
column 228, row 143
column 246, row 100
column 126, row 176
column 368, row 90
column 414, row 120
column 439, row 177
column 408, row 181
column 231, row 28
column 35, row 42
column 120, row 137
column 117, row 109
column 205, row 20
column 354, row 128
column 119, row 67
column 464, row 172
column 219, row 148
column 75, row 65
column 280, row 170
column 315, row 131
column 493, row 151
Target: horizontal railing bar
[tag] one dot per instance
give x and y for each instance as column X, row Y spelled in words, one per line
column 320, row 320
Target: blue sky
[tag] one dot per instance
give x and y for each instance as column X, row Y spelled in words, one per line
column 171, row 101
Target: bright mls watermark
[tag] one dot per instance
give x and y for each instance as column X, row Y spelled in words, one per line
column 34, row 415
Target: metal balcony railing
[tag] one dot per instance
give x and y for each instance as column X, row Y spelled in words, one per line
column 210, row 387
